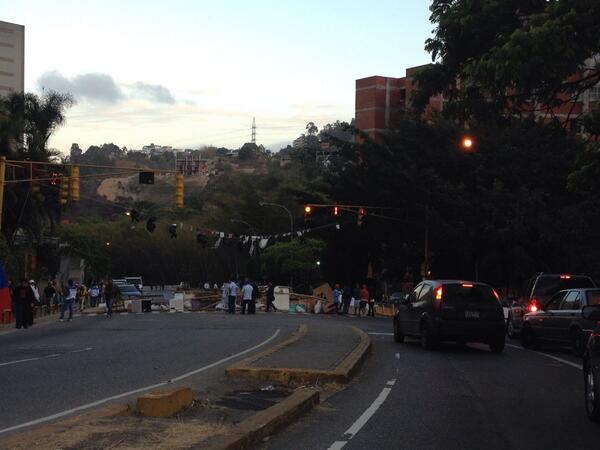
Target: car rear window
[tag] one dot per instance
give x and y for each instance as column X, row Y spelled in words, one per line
column 546, row 286
column 593, row 297
column 457, row 294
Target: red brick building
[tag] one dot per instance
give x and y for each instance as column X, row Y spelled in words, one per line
column 379, row 101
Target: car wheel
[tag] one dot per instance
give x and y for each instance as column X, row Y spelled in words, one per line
column 527, row 337
column 497, row 345
column 428, row 341
column 592, row 396
column 577, row 342
column 510, row 327
column 398, row 336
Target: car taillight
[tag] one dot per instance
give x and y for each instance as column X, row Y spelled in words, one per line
column 438, row 294
column 533, row 308
column 565, row 277
column 496, row 294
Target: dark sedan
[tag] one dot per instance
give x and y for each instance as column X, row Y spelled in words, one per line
column 561, row 320
column 591, row 365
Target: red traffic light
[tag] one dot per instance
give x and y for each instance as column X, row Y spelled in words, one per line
column 336, row 211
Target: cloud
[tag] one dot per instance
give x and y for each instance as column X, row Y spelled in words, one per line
column 101, row 87
column 153, row 92
column 90, row 86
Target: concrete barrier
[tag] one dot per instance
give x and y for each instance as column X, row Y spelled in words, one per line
column 164, row 403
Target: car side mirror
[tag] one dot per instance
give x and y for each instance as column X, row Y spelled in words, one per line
column 591, row 312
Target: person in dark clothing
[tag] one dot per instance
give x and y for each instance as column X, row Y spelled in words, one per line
column 255, row 296
column 271, row 297
column 49, row 293
column 109, row 295
column 24, row 299
column 346, row 298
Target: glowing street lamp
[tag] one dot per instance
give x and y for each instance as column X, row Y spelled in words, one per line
column 467, row 143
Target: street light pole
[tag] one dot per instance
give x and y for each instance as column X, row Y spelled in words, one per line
column 277, row 205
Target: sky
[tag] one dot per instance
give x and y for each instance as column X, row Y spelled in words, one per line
column 188, row 73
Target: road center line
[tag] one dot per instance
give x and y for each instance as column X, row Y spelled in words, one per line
column 556, row 358
column 135, row 391
column 18, row 361
column 337, row 445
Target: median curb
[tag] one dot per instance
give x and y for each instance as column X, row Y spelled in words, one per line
column 341, row 374
column 265, row 423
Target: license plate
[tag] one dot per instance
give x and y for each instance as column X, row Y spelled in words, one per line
column 472, row 314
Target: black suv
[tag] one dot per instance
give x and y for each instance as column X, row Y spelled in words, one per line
column 536, row 291
column 591, row 365
column 451, row 310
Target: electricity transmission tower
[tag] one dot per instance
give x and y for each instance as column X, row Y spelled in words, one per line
column 253, row 130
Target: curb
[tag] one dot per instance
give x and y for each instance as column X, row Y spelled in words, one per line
column 164, row 403
column 265, row 423
column 341, row 374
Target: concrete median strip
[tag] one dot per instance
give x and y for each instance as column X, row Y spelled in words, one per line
column 342, row 373
column 265, row 423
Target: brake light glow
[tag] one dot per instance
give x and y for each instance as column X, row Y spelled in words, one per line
column 533, row 308
column 496, row 294
column 565, row 277
column 438, row 293
column 467, row 285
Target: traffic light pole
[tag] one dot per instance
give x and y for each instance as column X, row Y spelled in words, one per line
column 2, row 176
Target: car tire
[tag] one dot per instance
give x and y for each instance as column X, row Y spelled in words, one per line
column 497, row 345
column 428, row 340
column 577, row 345
column 527, row 338
column 398, row 336
column 510, row 327
column 592, row 394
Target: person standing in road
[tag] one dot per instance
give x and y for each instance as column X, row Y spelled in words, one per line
column 255, row 297
column 225, row 296
column 271, row 297
column 23, row 299
column 36, row 301
column 346, row 298
column 364, row 299
column 356, row 299
column 247, row 297
column 372, row 303
column 94, row 295
column 233, row 291
column 109, row 292
column 337, row 298
column 49, row 293
column 70, row 297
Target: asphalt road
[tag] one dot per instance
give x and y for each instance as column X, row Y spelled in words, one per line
column 55, row 368
column 451, row 398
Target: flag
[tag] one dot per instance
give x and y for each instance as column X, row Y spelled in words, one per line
column 4, row 292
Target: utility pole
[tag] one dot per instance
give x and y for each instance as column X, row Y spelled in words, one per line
column 2, row 175
column 253, row 130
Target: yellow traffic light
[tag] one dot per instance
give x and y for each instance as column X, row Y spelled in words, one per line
column 74, row 183
column 179, row 190
column 63, row 195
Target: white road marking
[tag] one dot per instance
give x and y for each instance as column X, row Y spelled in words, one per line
column 337, row 445
column 369, row 412
column 380, row 334
column 391, row 382
column 18, row 361
column 135, row 391
column 556, row 358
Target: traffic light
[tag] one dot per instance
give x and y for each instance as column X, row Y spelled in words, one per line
column 307, row 215
column 336, row 211
column 151, row 224
column 179, row 190
column 146, row 178
column 63, row 195
column 134, row 214
column 74, row 183
column 173, row 230
column 467, row 143
column 362, row 212
column 55, row 179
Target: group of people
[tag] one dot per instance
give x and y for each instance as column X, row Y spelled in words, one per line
column 358, row 298
column 248, row 294
column 26, row 297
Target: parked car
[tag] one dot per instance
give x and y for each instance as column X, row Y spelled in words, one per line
column 536, row 291
column 451, row 310
column 591, row 365
column 128, row 291
column 561, row 321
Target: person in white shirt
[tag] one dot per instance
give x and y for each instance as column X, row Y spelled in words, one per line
column 247, row 296
column 233, row 290
column 225, row 296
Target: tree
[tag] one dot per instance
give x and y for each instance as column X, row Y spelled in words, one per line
column 494, row 57
column 248, row 151
column 311, row 129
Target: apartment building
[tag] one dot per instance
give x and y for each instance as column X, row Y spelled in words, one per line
column 12, row 58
